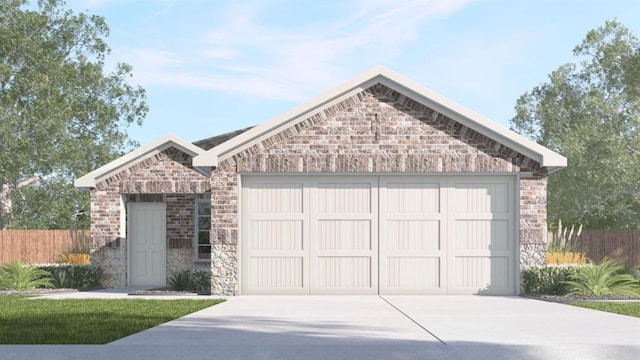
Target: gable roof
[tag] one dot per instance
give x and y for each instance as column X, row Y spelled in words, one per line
column 547, row 158
column 91, row 179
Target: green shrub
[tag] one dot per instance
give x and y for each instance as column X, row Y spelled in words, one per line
column 605, row 278
column 548, row 280
column 74, row 276
column 18, row 276
column 181, row 281
column 634, row 272
column 191, row 280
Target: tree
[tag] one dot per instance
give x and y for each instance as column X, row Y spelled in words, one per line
column 589, row 111
column 62, row 114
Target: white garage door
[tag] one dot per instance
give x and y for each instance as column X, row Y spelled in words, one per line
column 370, row 235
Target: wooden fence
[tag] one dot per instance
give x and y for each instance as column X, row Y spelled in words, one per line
column 622, row 246
column 34, row 246
column 46, row 246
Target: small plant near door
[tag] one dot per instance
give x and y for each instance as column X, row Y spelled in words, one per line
column 191, row 280
column 563, row 246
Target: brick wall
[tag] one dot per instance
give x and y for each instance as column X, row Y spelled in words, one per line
column 165, row 177
column 375, row 131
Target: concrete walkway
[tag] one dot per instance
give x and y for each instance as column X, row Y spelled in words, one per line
column 370, row 327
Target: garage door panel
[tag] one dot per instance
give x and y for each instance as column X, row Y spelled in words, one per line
column 343, row 256
column 481, row 275
column 412, row 256
column 344, row 198
column 491, row 198
column 275, row 235
column 276, row 273
column 350, row 273
column 275, row 198
column 412, row 235
column 415, row 273
column 406, row 198
column 344, row 235
column 481, row 235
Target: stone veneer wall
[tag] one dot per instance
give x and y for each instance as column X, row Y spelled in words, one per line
column 165, row 177
column 375, row 131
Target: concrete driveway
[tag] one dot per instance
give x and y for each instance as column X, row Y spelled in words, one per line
column 375, row 327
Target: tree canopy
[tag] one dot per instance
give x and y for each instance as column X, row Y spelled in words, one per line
column 62, row 112
column 589, row 111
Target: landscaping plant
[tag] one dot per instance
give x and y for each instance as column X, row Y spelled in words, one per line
column 564, row 239
column 80, row 251
column 74, row 276
column 180, row 281
column 547, row 280
column 563, row 246
column 18, row 276
column 605, row 278
column 188, row 280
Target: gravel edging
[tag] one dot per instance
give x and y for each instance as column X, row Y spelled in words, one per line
column 579, row 298
column 37, row 291
column 164, row 291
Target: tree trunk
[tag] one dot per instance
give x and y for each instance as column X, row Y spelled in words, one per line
column 6, row 205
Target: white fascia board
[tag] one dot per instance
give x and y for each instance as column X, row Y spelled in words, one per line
column 547, row 158
column 89, row 180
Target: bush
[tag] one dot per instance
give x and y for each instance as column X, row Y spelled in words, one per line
column 191, row 280
column 74, row 276
column 18, row 276
column 181, row 281
column 560, row 258
column 548, row 280
column 605, row 278
column 75, row 259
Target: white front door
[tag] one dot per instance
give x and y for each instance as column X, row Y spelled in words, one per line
column 148, row 244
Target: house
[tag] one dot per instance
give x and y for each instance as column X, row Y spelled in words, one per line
column 379, row 186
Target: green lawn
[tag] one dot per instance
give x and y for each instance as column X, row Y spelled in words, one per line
column 630, row 309
column 90, row 321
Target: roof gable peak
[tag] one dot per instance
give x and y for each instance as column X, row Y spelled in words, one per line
column 396, row 82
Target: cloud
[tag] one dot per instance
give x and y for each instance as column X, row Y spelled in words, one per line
column 247, row 54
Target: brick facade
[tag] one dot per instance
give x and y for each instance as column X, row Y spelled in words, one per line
column 377, row 130
column 166, row 177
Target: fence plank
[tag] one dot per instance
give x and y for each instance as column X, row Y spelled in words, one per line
column 34, row 246
column 622, row 246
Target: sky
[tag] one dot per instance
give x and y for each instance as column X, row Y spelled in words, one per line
column 213, row 66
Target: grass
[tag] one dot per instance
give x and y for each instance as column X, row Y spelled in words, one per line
column 629, row 309
column 87, row 321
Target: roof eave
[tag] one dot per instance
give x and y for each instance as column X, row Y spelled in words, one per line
column 89, row 181
column 442, row 105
